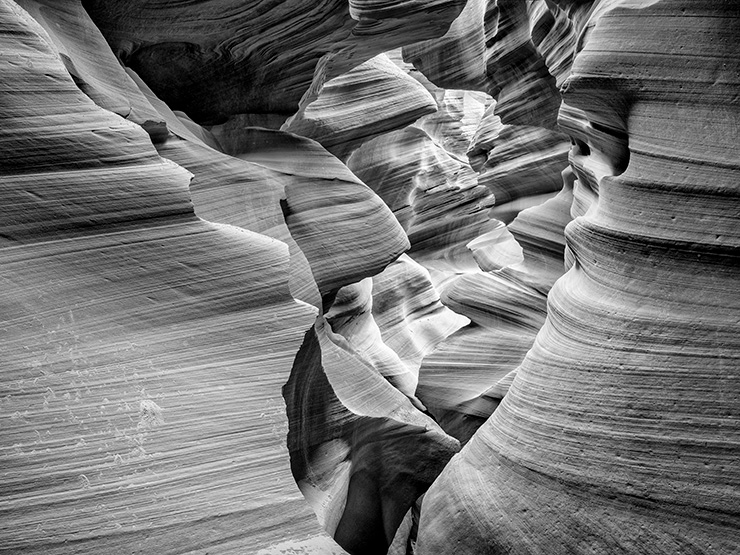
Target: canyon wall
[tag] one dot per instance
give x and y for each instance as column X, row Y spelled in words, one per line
column 362, row 277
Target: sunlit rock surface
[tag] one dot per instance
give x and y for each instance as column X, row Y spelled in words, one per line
column 394, row 320
column 464, row 380
column 369, row 100
column 219, row 179
column 329, row 211
column 618, row 432
column 434, row 194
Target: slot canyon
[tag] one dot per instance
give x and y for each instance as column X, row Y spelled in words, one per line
column 368, row 277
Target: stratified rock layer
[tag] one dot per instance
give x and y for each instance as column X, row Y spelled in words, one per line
column 620, row 432
column 143, row 349
column 346, row 232
column 371, row 99
column 362, row 454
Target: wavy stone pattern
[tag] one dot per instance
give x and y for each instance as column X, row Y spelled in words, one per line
column 460, row 380
column 90, row 62
column 620, row 431
column 328, row 210
column 524, row 165
column 144, row 348
column 133, row 333
column 458, row 59
column 371, row 99
column 361, row 452
column 464, row 380
column 97, row 73
column 267, row 203
column 526, row 51
column 408, row 311
column 458, row 117
column 393, row 321
column 433, row 194
column 344, row 511
column 518, row 52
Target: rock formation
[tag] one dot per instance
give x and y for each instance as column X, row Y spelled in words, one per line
column 268, row 265
column 619, row 432
column 134, row 338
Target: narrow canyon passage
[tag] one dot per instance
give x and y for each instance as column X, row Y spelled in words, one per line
column 362, row 277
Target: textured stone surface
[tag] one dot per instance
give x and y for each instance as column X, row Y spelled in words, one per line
column 154, row 243
column 329, row 211
column 134, row 339
column 361, row 452
column 91, row 64
column 434, row 194
column 618, row 432
column 367, row 101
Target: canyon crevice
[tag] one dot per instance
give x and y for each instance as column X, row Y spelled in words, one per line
column 409, row 278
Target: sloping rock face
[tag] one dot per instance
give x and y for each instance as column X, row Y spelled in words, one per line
column 619, row 432
column 147, row 349
column 133, row 339
column 263, row 277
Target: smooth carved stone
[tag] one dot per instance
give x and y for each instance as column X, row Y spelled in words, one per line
column 507, row 316
column 458, row 59
column 518, row 52
column 345, row 231
column 540, row 231
column 228, row 190
column 213, row 59
column 220, row 180
column 520, row 163
column 393, row 321
column 554, row 31
column 351, row 317
column 177, row 123
column 507, row 308
column 217, row 179
column 459, row 114
column 618, row 433
column 456, row 381
column 90, row 62
column 408, row 311
column 143, row 349
column 369, row 100
column 433, row 194
column 521, row 83
column 362, row 454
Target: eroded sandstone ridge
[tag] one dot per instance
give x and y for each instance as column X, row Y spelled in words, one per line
column 268, row 266
column 620, row 431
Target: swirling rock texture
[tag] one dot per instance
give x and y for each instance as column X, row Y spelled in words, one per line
column 369, row 100
column 299, row 194
column 620, row 431
column 441, row 177
column 133, row 333
column 171, row 271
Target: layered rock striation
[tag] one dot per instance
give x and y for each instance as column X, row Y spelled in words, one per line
column 263, row 277
column 620, row 431
column 137, row 403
